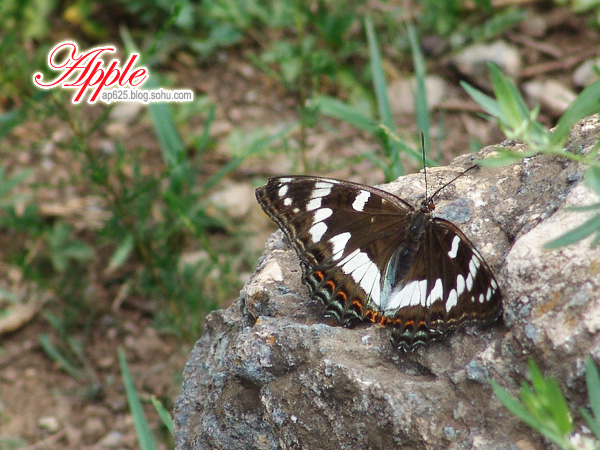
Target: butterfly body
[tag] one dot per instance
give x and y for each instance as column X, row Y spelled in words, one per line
column 370, row 256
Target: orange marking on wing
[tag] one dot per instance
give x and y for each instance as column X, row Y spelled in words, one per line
column 332, row 284
column 357, row 305
column 385, row 320
column 319, row 275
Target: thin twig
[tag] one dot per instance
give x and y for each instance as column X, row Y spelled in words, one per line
column 47, row 442
column 541, row 47
column 562, row 64
column 459, row 105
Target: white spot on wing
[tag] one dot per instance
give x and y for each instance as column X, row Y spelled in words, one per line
column 287, row 201
column 412, row 294
column 494, row 284
column 460, row 285
column 323, row 214
column 371, row 282
column 364, row 272
column 315, row 203
column 454, row 249
column 436, row 293
column 319, row 227
column 317, row 231
column 361, row 200
column 321, row 189
column 282, row 190
column 352, row 261
column 470, row 281
column 474, row 266
column 338, row 244
column 452, row 300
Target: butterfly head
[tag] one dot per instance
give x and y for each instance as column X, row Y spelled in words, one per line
column 427, row 205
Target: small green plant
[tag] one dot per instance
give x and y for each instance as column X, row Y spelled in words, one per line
column 543, row 407
column 518, row 122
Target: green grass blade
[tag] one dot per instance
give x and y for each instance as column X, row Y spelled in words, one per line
column 485, row 101
column 164, row 415
column 121, row 254
column 168, row 137
column 379, row 83
column 504, row 157
column 591, row 422
column 586, row 103
column 55, row 355
column 392, row 148
column 558, row 408
column 592, row 378
column 8, row 184
column 332, row 107
column 587, row 208
column 592, row 178
column 510, row 101
column 236, row 162
column 514, row 406
column 421, row 109
column 576, row 235
column 170, row 142
column 145, row 437
column 203, row 142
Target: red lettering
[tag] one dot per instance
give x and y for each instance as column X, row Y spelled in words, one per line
column 86, row 71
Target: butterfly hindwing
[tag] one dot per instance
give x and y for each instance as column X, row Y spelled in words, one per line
column 454, row 288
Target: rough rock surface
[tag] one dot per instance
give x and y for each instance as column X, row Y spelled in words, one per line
column 270, row 373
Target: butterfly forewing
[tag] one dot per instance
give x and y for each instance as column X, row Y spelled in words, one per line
column 369, row 255
column 341, row 267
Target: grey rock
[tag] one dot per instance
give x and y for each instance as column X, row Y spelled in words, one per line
column 270, row 373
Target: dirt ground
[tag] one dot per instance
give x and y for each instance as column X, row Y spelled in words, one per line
column 42, row 407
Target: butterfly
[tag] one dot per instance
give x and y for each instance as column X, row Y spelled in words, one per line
column 370, row 256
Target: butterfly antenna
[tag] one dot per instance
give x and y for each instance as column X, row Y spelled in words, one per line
column 450, row 182
column 424, row 163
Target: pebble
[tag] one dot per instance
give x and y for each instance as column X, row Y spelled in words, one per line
column 125, row 112
column 401, row 93
column 535, row 26
column 587, row 72
column 93, row 428
column 472, row 60
column 552, row 95
column 49, row 423
column 237, row 199
column 114, row 439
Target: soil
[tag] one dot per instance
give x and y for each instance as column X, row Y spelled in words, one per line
column 41, row 406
